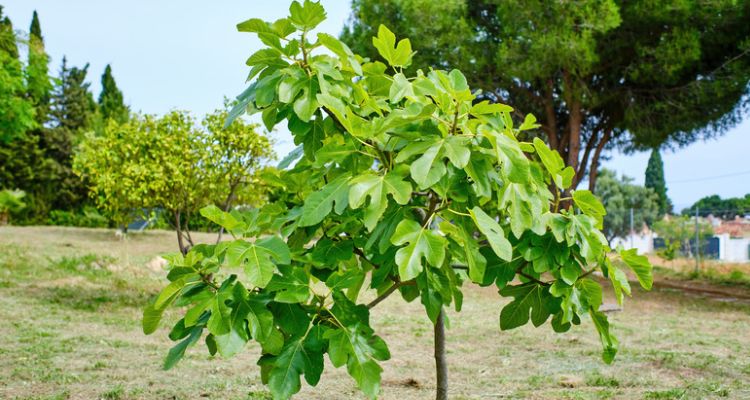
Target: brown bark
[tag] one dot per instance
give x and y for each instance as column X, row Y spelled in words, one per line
column 549, row 108
column 187, row 232
column 441, row 365
column 594, row 169
column 574, row 141
column 178, row 229
column 586, row 154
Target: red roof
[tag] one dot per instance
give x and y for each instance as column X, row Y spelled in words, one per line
column 736, row 228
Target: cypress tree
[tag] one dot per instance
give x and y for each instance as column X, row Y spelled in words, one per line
column 655, row 181
column 111, row 104
column 39, row 85
column 8, row 43
column 35, row 29
column 16, row 112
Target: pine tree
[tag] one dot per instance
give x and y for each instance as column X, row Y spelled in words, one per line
column 655, row 181
column 71, row 114
column 111, row 104
column 39, row 85
column 73, row 104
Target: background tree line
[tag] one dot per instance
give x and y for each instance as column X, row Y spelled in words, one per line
column 43, row 119
column 68, row 159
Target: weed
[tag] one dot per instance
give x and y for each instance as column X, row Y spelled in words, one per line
column 598, row 380
column 669, row 394
column 116, row 393
column 263, row 395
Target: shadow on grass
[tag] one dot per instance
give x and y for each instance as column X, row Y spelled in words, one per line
column 92, row 298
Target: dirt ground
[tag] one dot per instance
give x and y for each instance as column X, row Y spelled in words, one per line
column 71, row 303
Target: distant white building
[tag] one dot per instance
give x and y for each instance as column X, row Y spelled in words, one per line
column 733, row 240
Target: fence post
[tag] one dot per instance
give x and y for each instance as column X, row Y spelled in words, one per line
column 697, row 242
column 632, row 229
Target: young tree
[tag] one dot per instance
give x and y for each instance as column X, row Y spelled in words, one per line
column 621, row 198
column 402, row 182
column 680, row 231
column 16, row 112
column 598, row 74
column 169, row 163
column 111, row 103
column 655, row 181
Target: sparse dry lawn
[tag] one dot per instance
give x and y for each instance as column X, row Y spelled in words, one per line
column 70, row 302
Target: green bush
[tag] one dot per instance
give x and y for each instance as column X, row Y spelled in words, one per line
column 10, row 202
column 88, row 217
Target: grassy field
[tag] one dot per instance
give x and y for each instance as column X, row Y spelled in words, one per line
column 71, row 299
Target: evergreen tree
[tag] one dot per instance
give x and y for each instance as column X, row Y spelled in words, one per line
column 39, row 85
column 16, row 112
column 7, row 36
column 655, row 181
column 24, row 162
column 71, row 114
column 111, row 104
column 35, row 29
column 73, row 104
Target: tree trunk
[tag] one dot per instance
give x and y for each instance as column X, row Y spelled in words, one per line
column 441, row 365
column 594, row 169
column 574, row 141
column 178, row 229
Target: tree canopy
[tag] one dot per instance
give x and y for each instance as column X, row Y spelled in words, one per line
column 723, row 208
column 16, row 112
column 169, row 163
column 404, row 182
column 621, row 198
column 597, row 74
column 39, row 160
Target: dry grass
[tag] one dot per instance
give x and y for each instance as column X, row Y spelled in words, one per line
column 688, row 265
column 71, row 300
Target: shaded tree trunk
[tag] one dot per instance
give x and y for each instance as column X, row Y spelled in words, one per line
column 441, row 364
column 594, row 169
column 178, row 229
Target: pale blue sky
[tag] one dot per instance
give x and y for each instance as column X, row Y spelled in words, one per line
column 187, row 54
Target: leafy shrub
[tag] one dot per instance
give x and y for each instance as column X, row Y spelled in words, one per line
column 88, row 217
column 11, row 201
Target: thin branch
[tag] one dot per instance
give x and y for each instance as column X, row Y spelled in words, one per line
column 594, row 168
column 586, row 154
column 531, row 278
column 363, row 256
column 390, row 291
